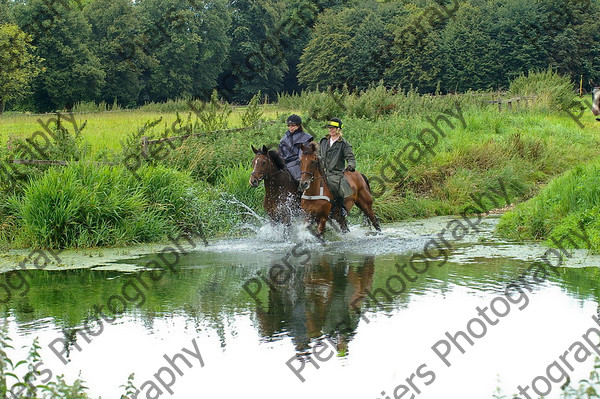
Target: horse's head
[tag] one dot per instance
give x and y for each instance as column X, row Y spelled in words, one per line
column 596, row 101
column 309, row 165
column 260, row 165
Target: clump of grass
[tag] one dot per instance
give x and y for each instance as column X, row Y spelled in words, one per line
column 235, row 181
column 91, row 106
column 550, row 89
column 84, row 205
column 178, row 105
column 214, row 114
column 253, row 113
column 567, row 203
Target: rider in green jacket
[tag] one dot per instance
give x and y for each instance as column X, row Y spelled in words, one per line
column 335, row 152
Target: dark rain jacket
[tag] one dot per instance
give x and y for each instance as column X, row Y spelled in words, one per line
column 334, row 161
column 289, row 149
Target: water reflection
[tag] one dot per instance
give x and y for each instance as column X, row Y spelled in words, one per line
column 320, row 300
column 204, row 299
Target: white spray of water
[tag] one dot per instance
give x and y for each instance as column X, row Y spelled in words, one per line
column 267, row 237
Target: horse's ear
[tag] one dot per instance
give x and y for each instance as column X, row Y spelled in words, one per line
column 302, row 147
column 254, row 149
column 265, row 149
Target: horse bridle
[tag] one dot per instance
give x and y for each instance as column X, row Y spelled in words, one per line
column 263, row 174
column 312, row 175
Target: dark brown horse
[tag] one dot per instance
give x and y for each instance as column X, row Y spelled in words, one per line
column 282, row 199
column 317, row 197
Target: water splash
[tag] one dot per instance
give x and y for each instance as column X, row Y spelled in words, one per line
column 230, row 199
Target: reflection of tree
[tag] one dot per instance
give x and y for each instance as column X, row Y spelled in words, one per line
column 582, row 283
column 318, row 300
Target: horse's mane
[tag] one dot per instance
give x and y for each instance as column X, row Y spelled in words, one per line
column 311, row 148
column 274, row 155
column 277, row 160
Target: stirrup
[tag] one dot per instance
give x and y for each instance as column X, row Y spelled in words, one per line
column 343, row 210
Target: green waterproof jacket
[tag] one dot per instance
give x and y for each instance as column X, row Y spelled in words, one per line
column 334, row 161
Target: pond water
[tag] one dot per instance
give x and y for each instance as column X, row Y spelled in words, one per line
column 350, row 319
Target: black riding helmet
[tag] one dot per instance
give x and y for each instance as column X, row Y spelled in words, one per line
column 294, row 120
column 334, row 122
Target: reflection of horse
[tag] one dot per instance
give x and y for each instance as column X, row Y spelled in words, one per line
column 320, row 299
column 596, row 101
column 317, row 197
column 282, row 199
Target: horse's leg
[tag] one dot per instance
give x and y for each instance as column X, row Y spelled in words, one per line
column 311, row 220
column 348, row 203
column 364, row 200
column 321, row 228
column 337, row 216
column 365, row 204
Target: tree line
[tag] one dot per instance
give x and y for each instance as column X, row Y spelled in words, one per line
column 55, row 53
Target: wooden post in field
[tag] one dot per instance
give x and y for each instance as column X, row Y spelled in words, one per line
column 145, row 147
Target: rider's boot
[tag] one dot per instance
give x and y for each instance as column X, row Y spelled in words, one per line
column 342, row 215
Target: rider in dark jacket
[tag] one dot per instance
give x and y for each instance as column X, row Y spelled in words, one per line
column 335, row 153
column 289, row 146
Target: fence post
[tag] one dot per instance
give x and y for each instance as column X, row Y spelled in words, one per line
column 145, row 147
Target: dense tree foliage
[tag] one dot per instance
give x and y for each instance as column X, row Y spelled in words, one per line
column 17, row 63
column 115, row 37
column 72, row 72
column 154, row 50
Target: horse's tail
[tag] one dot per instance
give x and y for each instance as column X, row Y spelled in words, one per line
column 367, row 181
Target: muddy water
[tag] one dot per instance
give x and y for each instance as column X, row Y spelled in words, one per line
column 346, row 318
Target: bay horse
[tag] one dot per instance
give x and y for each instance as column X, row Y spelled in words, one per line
column 282, row 198
column 317, row 198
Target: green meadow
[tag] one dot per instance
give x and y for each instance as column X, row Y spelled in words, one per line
column 105, row 129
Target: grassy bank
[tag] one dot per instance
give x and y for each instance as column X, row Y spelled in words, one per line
column 565, row 205
column 206, row 177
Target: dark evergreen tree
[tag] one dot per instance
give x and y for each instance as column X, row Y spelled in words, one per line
column 325, row 60
column 257, row 58
column 471, row 56
column 416, row 54
column 116, row 41
column 188, row 40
